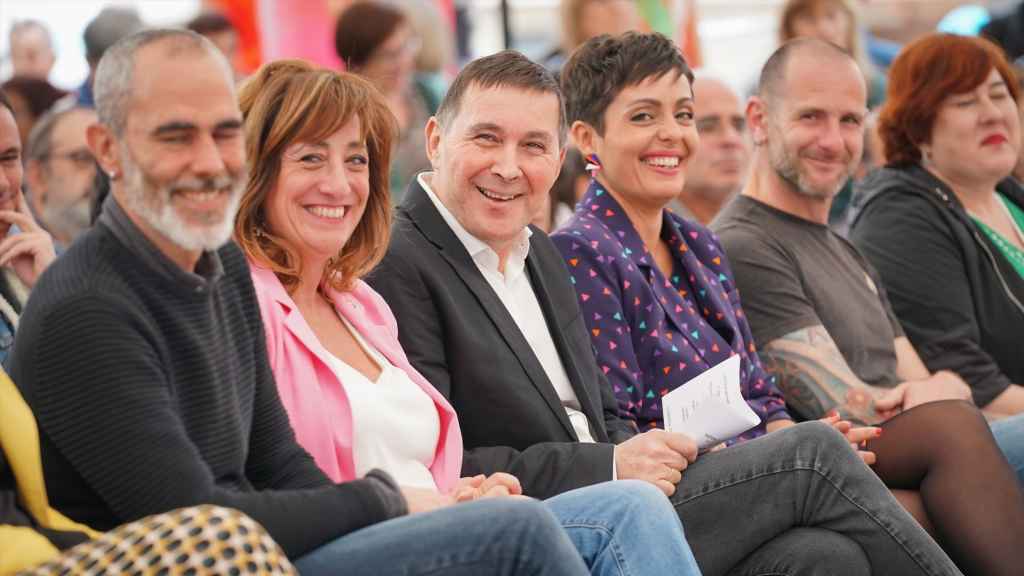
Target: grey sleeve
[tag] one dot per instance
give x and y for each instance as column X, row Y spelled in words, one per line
column 883, row 296
column 769, row 282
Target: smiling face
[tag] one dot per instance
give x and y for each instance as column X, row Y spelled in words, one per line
column 320, row 194
column 182, row 153
column 976, row 135
column 649, row 138
column 496, row 160
column 814, row 127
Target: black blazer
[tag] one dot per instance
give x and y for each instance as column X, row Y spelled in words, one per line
column 459, row 335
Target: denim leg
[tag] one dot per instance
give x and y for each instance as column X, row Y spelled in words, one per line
column 734, row 501
column 806, row 552
column 625, row 528
column 500, row 536
column 1009, row 434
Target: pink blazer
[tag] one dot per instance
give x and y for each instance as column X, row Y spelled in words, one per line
column 312, row 394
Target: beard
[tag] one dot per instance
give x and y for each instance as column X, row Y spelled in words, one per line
column 154, row 203
column 68, row 219
column 788, row 168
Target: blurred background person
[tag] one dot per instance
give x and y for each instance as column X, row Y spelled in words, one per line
column 219, row 30
column 30, row 98
column 59, row 172
column 435, row 60
column 718, row 168
column 377, row 41
column 835, row 21
column 109, row 26
column 943, row 223
column 31, row 49
column 585, row 19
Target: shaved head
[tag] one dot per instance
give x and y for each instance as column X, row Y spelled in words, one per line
column 773, row 75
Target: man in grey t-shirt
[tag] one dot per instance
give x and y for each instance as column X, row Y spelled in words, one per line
column 816, row 308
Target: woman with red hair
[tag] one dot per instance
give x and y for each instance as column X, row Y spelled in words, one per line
column 943, row 223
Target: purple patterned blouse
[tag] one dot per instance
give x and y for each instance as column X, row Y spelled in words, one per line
column 650, row 333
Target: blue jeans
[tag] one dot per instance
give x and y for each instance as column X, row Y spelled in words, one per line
column 619, row 528
column 625, row 528
column 501, row 537
column 1009, row 435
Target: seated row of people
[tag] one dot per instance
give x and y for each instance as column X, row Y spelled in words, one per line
column 662, row 304
column 191, row 409
column 157, row 385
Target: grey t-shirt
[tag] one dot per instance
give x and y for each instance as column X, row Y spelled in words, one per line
column 793, row 274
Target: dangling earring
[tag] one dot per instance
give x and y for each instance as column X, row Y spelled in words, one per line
column 257, row 231
column 593, row 164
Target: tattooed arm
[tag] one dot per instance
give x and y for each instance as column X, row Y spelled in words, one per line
column 815, row 378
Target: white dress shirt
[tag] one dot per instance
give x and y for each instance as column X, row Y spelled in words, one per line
column 516, row 293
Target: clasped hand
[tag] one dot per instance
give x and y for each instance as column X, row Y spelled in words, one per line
column 942, row 385
column 470, row 488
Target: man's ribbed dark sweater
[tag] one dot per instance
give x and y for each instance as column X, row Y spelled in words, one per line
column 153, row 391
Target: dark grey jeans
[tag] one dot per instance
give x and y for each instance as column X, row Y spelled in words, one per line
column 734, row 503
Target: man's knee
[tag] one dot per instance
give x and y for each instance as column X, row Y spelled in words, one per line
column 815, row 434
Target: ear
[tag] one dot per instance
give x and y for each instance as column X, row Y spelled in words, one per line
column 104, row 148
column 584, row 136
column 757, row 120
column 432, row 133
column 36, row 180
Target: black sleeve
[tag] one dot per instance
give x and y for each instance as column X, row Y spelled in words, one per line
column 100, row 394
column 276, row 459
column 921, row 264
column 544, row 469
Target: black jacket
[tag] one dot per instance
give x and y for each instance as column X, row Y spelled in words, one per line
column 459, row 335
column 959, row 300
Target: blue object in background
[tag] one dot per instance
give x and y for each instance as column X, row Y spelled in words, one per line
column 966, row 20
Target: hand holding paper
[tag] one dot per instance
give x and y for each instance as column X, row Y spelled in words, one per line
column 710, row 408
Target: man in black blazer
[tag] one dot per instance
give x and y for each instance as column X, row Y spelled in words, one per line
column 487, row 313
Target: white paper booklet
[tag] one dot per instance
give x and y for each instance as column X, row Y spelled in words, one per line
column 710, row 408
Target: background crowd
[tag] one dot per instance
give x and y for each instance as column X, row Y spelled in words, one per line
column 415, row 312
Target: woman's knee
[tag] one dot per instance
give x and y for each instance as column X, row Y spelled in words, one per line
column 945, row 421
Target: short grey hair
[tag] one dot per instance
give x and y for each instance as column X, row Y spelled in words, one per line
column 40, row 139
column 112, row 87
column 20, row 26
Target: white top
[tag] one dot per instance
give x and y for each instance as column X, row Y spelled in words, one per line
column 516, row 293
column 395, row 424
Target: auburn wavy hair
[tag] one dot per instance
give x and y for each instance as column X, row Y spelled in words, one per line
column 925, row 73
column 292, row 101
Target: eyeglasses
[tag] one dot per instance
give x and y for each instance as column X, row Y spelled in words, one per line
column 81, row 158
